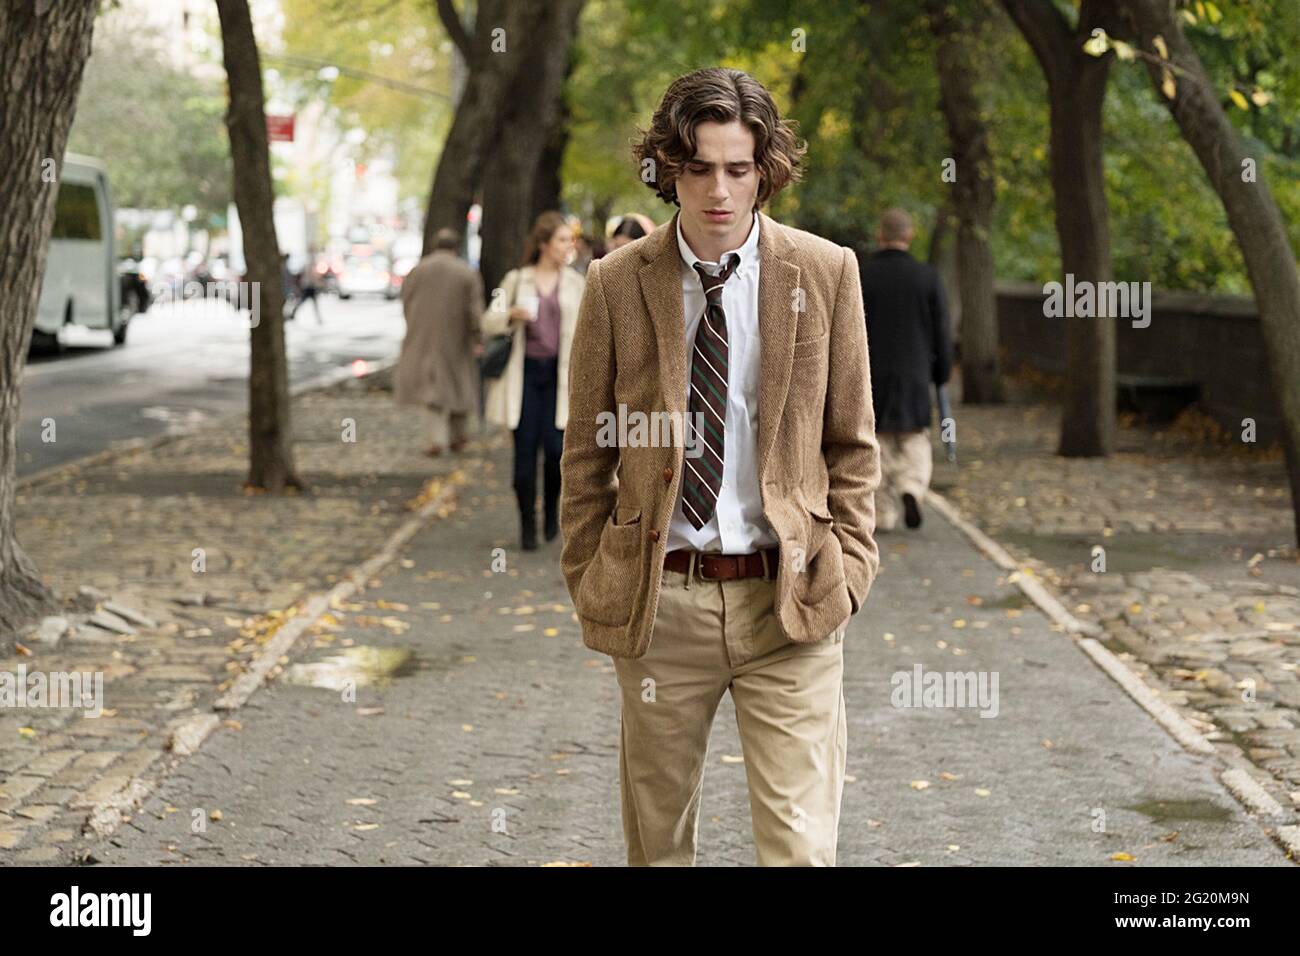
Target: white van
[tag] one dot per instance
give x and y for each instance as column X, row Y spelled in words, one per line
column 81, row 285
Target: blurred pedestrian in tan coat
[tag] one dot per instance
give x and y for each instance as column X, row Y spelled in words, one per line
column 442, row 299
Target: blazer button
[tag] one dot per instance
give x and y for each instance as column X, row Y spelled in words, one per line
column 668, row 475
column 654, row 534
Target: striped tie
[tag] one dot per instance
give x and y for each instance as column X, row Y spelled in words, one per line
column 708, row 402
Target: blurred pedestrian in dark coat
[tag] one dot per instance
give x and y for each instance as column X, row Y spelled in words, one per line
column 910, row 351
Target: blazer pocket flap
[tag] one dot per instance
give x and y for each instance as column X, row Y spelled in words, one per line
column 624, row 516
column 809, row 347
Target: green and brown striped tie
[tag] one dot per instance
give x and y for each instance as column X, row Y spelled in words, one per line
column 708, row 401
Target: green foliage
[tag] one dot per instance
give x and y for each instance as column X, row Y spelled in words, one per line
column 158, row 127
column 859, row 78
column 373, row 41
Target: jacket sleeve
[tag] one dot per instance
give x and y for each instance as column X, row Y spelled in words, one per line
column 474, row 308
column 496, row 317
column 588, row 483
column 408, row 287
column 941, row 331
column 849, row 436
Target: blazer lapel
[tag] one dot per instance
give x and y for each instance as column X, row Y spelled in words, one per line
column 778, row 282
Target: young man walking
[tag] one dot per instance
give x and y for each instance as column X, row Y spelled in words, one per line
column 732, row 557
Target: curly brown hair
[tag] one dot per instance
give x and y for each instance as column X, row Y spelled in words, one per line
column 722, row 95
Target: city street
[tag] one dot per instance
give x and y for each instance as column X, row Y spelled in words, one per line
column 182, row 364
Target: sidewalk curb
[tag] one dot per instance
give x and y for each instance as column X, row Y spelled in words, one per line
column 1021, row 577
column 1168, row 718
column 132, row 445
column 187, row 735
column 354, row 580
column 1235, row 779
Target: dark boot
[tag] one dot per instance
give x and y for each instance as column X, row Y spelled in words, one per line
column 528, row 523
column 552, row 525
column 911, row 511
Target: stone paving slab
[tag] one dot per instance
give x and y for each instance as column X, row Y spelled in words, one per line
column 498, row 743
column 128, row 526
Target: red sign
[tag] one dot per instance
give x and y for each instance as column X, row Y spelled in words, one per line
column 279, row 129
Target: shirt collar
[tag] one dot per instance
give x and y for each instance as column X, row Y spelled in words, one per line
column 748, row 251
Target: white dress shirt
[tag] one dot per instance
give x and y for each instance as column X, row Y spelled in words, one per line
column 737, row 525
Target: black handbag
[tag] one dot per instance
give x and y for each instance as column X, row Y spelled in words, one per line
column 496, row 355
column 496, row 350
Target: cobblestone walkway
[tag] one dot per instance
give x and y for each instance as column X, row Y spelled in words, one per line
column 1197, row 584
column 127, row 529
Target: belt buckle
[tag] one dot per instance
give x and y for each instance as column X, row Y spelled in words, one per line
column 699, row 566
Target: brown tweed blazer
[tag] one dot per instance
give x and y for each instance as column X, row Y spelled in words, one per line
column 818, row 459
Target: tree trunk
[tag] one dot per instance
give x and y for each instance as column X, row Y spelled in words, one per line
column 44, row 47
column 532, row 111
column 1252, row 214
column 503, row 35
column 942, row 255
column 270, row 445
column 549, row 185
column 1076, row 87
column 954, row 26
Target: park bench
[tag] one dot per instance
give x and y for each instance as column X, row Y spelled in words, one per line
column 1155, row 397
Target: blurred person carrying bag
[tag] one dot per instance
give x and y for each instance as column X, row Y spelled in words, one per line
column 496, row 350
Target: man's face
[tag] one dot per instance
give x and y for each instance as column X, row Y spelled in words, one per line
column 718, row 186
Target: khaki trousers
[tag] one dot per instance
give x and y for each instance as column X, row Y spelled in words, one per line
column 906, row 462
column 442, row 423
column 710, row 637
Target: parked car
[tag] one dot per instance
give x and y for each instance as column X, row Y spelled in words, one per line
column 136, row 294
column 401, row 269
column 81, row 284
column 365, row 273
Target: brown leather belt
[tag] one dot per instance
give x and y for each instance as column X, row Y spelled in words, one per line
column 710, row 566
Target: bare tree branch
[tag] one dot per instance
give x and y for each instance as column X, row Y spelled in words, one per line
column 451, row 22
